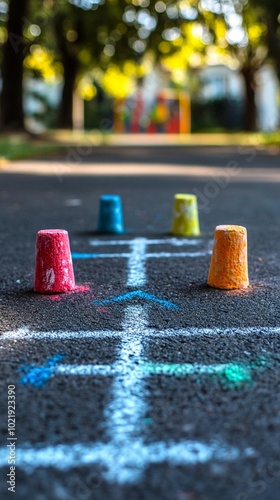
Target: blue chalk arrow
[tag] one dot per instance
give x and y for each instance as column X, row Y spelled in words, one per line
column 141, row 295
column 38, row 376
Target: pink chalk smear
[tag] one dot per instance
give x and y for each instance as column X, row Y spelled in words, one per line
column 81, row 289
column 77, row 289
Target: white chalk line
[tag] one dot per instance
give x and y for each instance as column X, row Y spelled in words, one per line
column 178, row 254
column 126, row 411
column 164, row 241
column 126, row 462
column 108, row 370
column 84, row 370
column 136, row 263
column 26, row 334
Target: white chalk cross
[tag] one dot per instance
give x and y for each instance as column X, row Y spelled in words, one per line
column 138, row 255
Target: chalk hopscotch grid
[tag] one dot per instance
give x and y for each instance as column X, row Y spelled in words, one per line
column 126, row 456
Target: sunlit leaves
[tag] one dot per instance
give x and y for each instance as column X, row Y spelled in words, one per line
column 3, row 34
column 117, row 84
column 256, row 32
column 43, row 62
column 86, row 89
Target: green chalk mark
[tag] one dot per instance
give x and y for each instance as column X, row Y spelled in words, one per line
column 260, row 362
column 234, row 374
column 148, row 421
column 237, row 375
column 181, row 370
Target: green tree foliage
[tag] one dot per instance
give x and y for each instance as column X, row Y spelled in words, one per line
column 116, row 41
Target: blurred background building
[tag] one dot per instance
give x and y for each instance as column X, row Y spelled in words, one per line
column 156, row 106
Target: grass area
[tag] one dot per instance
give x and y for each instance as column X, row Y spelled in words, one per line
column 18, row 147
column 271, row 138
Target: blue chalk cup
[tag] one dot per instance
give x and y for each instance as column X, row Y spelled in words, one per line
column 110, row 219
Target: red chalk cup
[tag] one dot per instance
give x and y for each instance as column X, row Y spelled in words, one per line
column 54, row 269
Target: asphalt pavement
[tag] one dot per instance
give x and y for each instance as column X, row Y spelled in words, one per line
column 143, row 383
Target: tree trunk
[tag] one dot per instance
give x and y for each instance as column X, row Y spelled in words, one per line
column 12, row 116
column 250, row 115
column 65, row 117
column 70, row 63
column 273, row 43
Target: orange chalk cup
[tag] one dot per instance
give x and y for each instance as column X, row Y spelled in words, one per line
column 229, row 267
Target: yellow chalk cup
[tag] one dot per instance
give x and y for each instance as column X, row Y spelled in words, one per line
column 185, row 216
